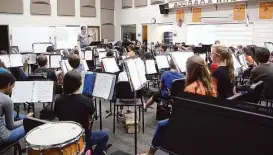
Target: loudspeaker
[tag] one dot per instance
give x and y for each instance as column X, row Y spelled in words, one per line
column 164, row 8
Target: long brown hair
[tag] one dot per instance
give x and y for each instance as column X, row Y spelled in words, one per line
column 197, row 71
column 225, row 55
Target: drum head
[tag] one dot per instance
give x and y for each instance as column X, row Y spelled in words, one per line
column 53, row 134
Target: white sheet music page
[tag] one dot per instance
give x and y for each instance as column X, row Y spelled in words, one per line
column 150, row 67
column 43, row 91
column 85, row 66
column 141, row 70
column 5, row 59
column 181, row 58
column 162, row 61
column 103, row 84
column 32, row 59
column 102, row 55
column 110, row 65
column 243, row 60
column 133, row 72
column 55, row 61
column 236, row 62
column 88, row 55
column 122, row 76
column 22, row 91
column 16, row 60
column 63, row 67
column 68, row 67
column 48, row 61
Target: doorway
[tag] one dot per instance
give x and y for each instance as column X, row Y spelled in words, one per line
column 128, row 32
column 94, row 32
column 144, row 34
column 4, row 38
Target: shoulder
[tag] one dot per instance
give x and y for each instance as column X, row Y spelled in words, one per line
column 191, row 88
column 5, row 99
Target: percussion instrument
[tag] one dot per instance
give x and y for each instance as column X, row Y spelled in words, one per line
column 56, row 138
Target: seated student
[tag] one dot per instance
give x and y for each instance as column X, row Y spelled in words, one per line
column 42, row 70
column 50, row 49
column 198, row 82
column 73, row 106
column 65, row 55
column 163, row 48
column 75, row 62
column 223, row 76
column 10, row 130
column 263, row 72
column 175, row 48
column 131, row 52
column 167, row 79
column 110, row 54
column 249, row 60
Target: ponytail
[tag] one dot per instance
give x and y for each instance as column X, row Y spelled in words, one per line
column 229, row 63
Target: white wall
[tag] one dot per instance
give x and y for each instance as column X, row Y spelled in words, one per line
column 155, row 32
column 143, row 15
column 27, row 19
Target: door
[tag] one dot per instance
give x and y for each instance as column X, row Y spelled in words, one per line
column 144, row 33
column 94, row 32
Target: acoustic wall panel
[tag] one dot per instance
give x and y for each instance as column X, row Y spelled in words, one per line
column 108, row 32
column 139, row 3
column 66, row 8
column 11, row 6
column 127, row 4
column 40, row 7
column 157, row 1
column 107, row 16
column 88, row 8
column 108, row 4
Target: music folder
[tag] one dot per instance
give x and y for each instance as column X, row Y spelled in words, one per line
column 32, row 91
column 150, row 67
column 136, row 72
column 12, row 60
column 99, row 85
column 180, row 59
column 162, row 61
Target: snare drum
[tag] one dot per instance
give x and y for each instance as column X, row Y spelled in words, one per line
column 56, row 138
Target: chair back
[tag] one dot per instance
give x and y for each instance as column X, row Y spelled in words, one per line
column 178, row 86
column 255, row 92
column 36, row 78
column 123, row 91
column 31, row 123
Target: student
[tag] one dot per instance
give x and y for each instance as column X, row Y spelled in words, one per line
column 75, row 62
column 165, row 85
column 217, row 42
column 175, row 48
column 199, row 82
column 263, row 72
column 73, row 106
column 223, row 76
column 248, row 57
column 65, row 55
column 10, row 130
column 131, row 52
column 50, row 49
column 110, row 54
column 163, row 48
column 42, row 70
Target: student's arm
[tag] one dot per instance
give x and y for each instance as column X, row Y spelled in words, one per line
column 78, row 40
column 9, row 118
column 253, row 76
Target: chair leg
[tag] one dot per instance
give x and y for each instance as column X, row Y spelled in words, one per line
column 114, row 120
column 142, row 119
column 139, row 113
column 19, row 149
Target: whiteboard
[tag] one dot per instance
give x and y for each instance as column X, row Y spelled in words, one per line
column 66, row 37
column 228, row 34
column 24, row 37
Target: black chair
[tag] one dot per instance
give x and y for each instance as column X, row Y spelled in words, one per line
column 125, row 97
column 16, row 146
column 164, row 106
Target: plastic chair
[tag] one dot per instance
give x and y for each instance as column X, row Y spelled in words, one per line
column 16, row 146
column 124, row 92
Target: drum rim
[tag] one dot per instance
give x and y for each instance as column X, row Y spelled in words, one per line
column 60, row 145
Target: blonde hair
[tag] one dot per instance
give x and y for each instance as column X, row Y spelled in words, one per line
column 197, row 71
column 225, row 55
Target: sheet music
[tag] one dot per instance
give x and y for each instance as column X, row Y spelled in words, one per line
column 88, row 55
column 110, row 65
column 55, row 61
column 180, row 58
column 68, row 67
column 242, row 59
column 103, row 85
column 134, row 74
column 22, row 91
column 203, row 55
column 141, row 70
column 16, row 60
column 236, row 62
column 48, row 61
column 43, row 91
column 32, row 59
column 5, row 59
column 40, row 48
column 150, row 67
column 85, row 66
column 123, row 76
column 63, row 67
column 102, row 55
column 162, row 61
